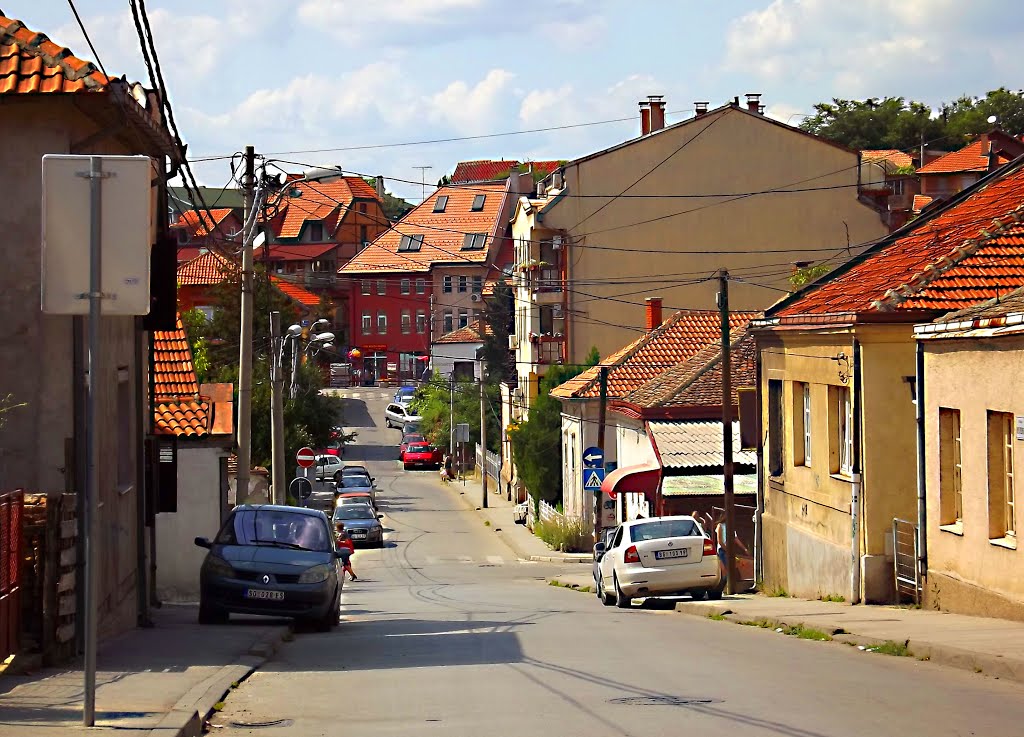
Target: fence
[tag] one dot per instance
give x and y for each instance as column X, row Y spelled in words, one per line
column 493, row 464
column 11, row 506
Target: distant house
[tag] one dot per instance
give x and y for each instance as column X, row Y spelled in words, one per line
column 955, row 171
column 487, row 170
column 888, row 179
column 199, row 278
column 455, row 353
column 197, row 233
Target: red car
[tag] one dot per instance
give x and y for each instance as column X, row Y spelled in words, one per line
column 421, row 455
column 410, row 437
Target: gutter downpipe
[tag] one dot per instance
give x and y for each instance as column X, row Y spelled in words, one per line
column 758, row 425
column 922, row 503
column 855, row 484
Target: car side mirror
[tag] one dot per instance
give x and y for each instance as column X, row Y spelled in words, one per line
column 203, row 542
column 599, row 549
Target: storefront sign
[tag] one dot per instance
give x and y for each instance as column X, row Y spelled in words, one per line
column 374, row 347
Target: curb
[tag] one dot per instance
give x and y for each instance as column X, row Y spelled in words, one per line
column 565, row 558
column 996, row 666
column 191, row 712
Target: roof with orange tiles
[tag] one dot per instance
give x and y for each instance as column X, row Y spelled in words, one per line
column 966, row 250
column 893, row 156
column 199, row 225
column 444, row 234
column 679, row 338
column 975, row 155
column 173, row 372
column 921, row 201
column 296, row 292
column 486, row 170
column 320, row 200
column 298, row 251
column 30, row 63
column 207, row 269
column 469, row 334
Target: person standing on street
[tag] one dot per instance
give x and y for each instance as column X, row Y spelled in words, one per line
column 346, row 546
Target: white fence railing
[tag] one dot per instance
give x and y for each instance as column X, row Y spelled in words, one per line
column 492, row 464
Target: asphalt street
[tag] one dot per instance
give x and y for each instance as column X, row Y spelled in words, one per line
column 447, row 632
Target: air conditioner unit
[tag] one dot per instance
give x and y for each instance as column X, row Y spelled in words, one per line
column 513, row 342
column 556, row 242
column 476, row 298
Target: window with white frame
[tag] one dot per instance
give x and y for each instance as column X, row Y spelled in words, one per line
column 1001, row 492
column 421, row 286
column 801, row 424
column 365, row 286
column 421, row 322
column 463, row 283
column 406, row 322
column 367, row 323
column 463, row 318
column 382, row 287
column 405, row 286
column 951, row 502
column 446, row 284
column 478, row 285
column 840, row 422
column 382, row 323
column 447, row 321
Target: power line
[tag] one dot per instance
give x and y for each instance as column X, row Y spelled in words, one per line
column 87, row 39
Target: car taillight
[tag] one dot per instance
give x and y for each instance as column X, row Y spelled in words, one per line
column 709, row 546
column 631, row 555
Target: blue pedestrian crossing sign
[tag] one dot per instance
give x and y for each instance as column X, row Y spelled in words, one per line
column 592, row 479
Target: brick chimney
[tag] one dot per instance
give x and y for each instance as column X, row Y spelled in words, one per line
column 754, row 102
column 700, row 108
column 652, row 308
column 657, row 103
column 645, row 119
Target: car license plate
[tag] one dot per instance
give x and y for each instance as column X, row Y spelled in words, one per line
column 264, row 594
column 680, row 553
column 357, row 534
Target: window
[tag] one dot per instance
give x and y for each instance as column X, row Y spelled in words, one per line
column 951, row 504
column 478, row 285
column 363, row 234
column 474, row 241
column 382, row 287
column 405, row 284
column 183, row 236
column 1000, row 476
column 840, row 420
column 447, row 323
column 478, row 203
column 440, row 203
column 801, row 424
column 365, row 286
column 421, row 286
column 406, row 322
column 315, row 232
column 446, row 285
column 367, row 323
column 362, row 208
column 411, row 242
column 382, row 323
column 421, row 322
column 125, row 446
column 463, row 318
column 463, row 283
column 775, row 429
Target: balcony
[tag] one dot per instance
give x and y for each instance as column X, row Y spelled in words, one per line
column 898, row 202
column 548, row 348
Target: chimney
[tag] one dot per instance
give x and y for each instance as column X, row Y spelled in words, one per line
column 653, row 312
column 760, row 109
column 736, row 101
column 645, row 119
column 657, row 103
column 701, row 108
column 378, row 184
column 754, row 102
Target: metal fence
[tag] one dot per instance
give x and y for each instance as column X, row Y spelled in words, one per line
column 11, row 508
column 492, row 464
column 905, row 555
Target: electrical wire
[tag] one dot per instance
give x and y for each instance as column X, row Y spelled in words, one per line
column 88, row 40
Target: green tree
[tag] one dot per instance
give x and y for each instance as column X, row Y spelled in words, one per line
column 808, row 274
column 195, row 324
column 499, row 364
column 436, row 402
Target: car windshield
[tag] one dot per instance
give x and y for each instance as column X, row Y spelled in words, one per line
column 355, row 511
column 658, row 529
column 275, row 528
column 421, row 448
column 412, row 438
column 361, row 499
column 355, row 482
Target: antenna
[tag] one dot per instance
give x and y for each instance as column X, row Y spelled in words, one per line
column 423, row 180
column 992, row 119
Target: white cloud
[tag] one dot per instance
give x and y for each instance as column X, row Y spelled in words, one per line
column 473, row 109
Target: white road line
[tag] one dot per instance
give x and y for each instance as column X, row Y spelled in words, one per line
column 495, row 560
column 465, row 559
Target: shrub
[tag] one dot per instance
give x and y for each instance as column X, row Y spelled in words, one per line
column 566, row 534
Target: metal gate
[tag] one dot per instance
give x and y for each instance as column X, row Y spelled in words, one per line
column 11, row 505
column 905, row 557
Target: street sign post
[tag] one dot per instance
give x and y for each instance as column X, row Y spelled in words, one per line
column 300, row 489
column 305, row 457
column 593, row 457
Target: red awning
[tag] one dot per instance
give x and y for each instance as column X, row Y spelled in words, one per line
column 642, row 478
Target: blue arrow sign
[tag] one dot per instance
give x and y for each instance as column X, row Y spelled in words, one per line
column 593, row 457
column 592, row 478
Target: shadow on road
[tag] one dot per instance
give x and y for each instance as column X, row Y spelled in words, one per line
column 355, row 414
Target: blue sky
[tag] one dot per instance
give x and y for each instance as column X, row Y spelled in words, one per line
column 285, row 75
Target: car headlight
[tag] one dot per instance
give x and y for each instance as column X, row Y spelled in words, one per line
column 316, row 574
column 215, row 566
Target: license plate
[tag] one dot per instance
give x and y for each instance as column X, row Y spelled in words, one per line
column 264, row 594
column 357, row 534
column 680, row 553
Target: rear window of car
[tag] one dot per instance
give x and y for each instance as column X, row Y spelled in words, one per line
column 658, row 529
column 355, row 511
column 273, row 526
column 421, row 448
column 354, row 482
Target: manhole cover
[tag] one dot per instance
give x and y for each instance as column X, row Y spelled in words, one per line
column 259, row 725
column 662, row 701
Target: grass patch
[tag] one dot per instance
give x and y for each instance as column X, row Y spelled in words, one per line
column 806, row 633
column 567, row 535
column 575, row 587
column 832, row 597
column 487, row 523
column 585, row 589
column 219, row 706
column 777, row 592
column 898, row 649
column 716, row 617
column 762, row 623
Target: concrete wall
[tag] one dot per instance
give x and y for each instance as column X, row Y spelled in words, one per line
column 201, row 507
column 579, row 432
column 443, row 357
column 966, row 571
column 632, row 447
column 727, row 152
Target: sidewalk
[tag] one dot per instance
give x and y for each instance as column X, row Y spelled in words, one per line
column 994, row 647
column 162, row 681
column 524, row 543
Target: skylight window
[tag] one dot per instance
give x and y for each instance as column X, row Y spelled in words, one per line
column 474, row 241
column 478, row 203
column 411, row 242
column 440, row 203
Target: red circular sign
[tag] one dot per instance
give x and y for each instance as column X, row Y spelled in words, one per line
column 305, row 457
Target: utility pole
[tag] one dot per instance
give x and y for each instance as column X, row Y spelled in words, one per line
column 602, row 412
column 423, row 181
column 451, row 414
column 277, row 408
column 483, row 438
column 245, row 344
column 727, row 466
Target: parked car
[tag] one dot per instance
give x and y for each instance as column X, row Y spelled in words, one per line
column 421, row 455
column 658, row 557
column 354, row 497
column 520, row 513
column 397, row 415
column 411, row 428
column 352, row 484
column 606, row 537
column 353, row 470
column 271, row 560
column 409, row 437
column 362, row 524
column 327, row 465
column 405, row 394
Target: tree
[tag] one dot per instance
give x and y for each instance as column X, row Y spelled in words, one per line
column 436, row 401
column 394, row 207
column 499, row 363
column 808, row 274
column 195, row 324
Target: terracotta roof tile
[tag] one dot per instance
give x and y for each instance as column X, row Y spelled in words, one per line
column 32, row 64
column 184, row 418
column 892, row 156
column 965, row 251
column 468, row 334
column 295, row 291
column 921, row 201
column 177, row 407
column 304, row 201
column 975, row 155
column 443, row 232
column 679, row 338
column 207, row 269
column 299, row 251
column 199, row 225
column 486, row 170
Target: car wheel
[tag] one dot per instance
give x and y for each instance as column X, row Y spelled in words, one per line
column 330, row 620
column 405, row 466
column 211, row 615
column 715, row 593
column 621, row 600
column 606, row 598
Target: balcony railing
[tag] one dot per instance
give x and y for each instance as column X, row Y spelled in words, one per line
column 549, row 280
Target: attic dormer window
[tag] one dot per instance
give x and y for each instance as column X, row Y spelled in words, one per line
column 474, row 241
column 411, row 242
column 315, row 232
column 440, row 203
column 478, row 203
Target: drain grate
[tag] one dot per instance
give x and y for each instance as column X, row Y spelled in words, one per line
column 662, row 701
column 260, row 725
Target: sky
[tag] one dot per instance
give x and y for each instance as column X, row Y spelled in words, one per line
column 358, row 76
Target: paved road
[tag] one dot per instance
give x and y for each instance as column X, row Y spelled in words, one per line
column 447, row 633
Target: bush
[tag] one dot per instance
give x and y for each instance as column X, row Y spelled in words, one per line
column 565, row 534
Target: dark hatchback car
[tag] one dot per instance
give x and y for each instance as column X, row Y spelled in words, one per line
column 272, row 560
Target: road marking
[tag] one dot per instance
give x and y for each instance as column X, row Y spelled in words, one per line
column 496, row 560
column 465, row 559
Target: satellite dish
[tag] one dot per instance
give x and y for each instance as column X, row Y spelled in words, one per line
column 992, row 118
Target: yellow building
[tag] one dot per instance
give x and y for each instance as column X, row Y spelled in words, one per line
column 974, row 447
column 838, row 387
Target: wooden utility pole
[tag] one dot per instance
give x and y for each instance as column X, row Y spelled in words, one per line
column 483, row 439
column 727, row 465
column 277, row 410
column 602, row 414
column 245, row 337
